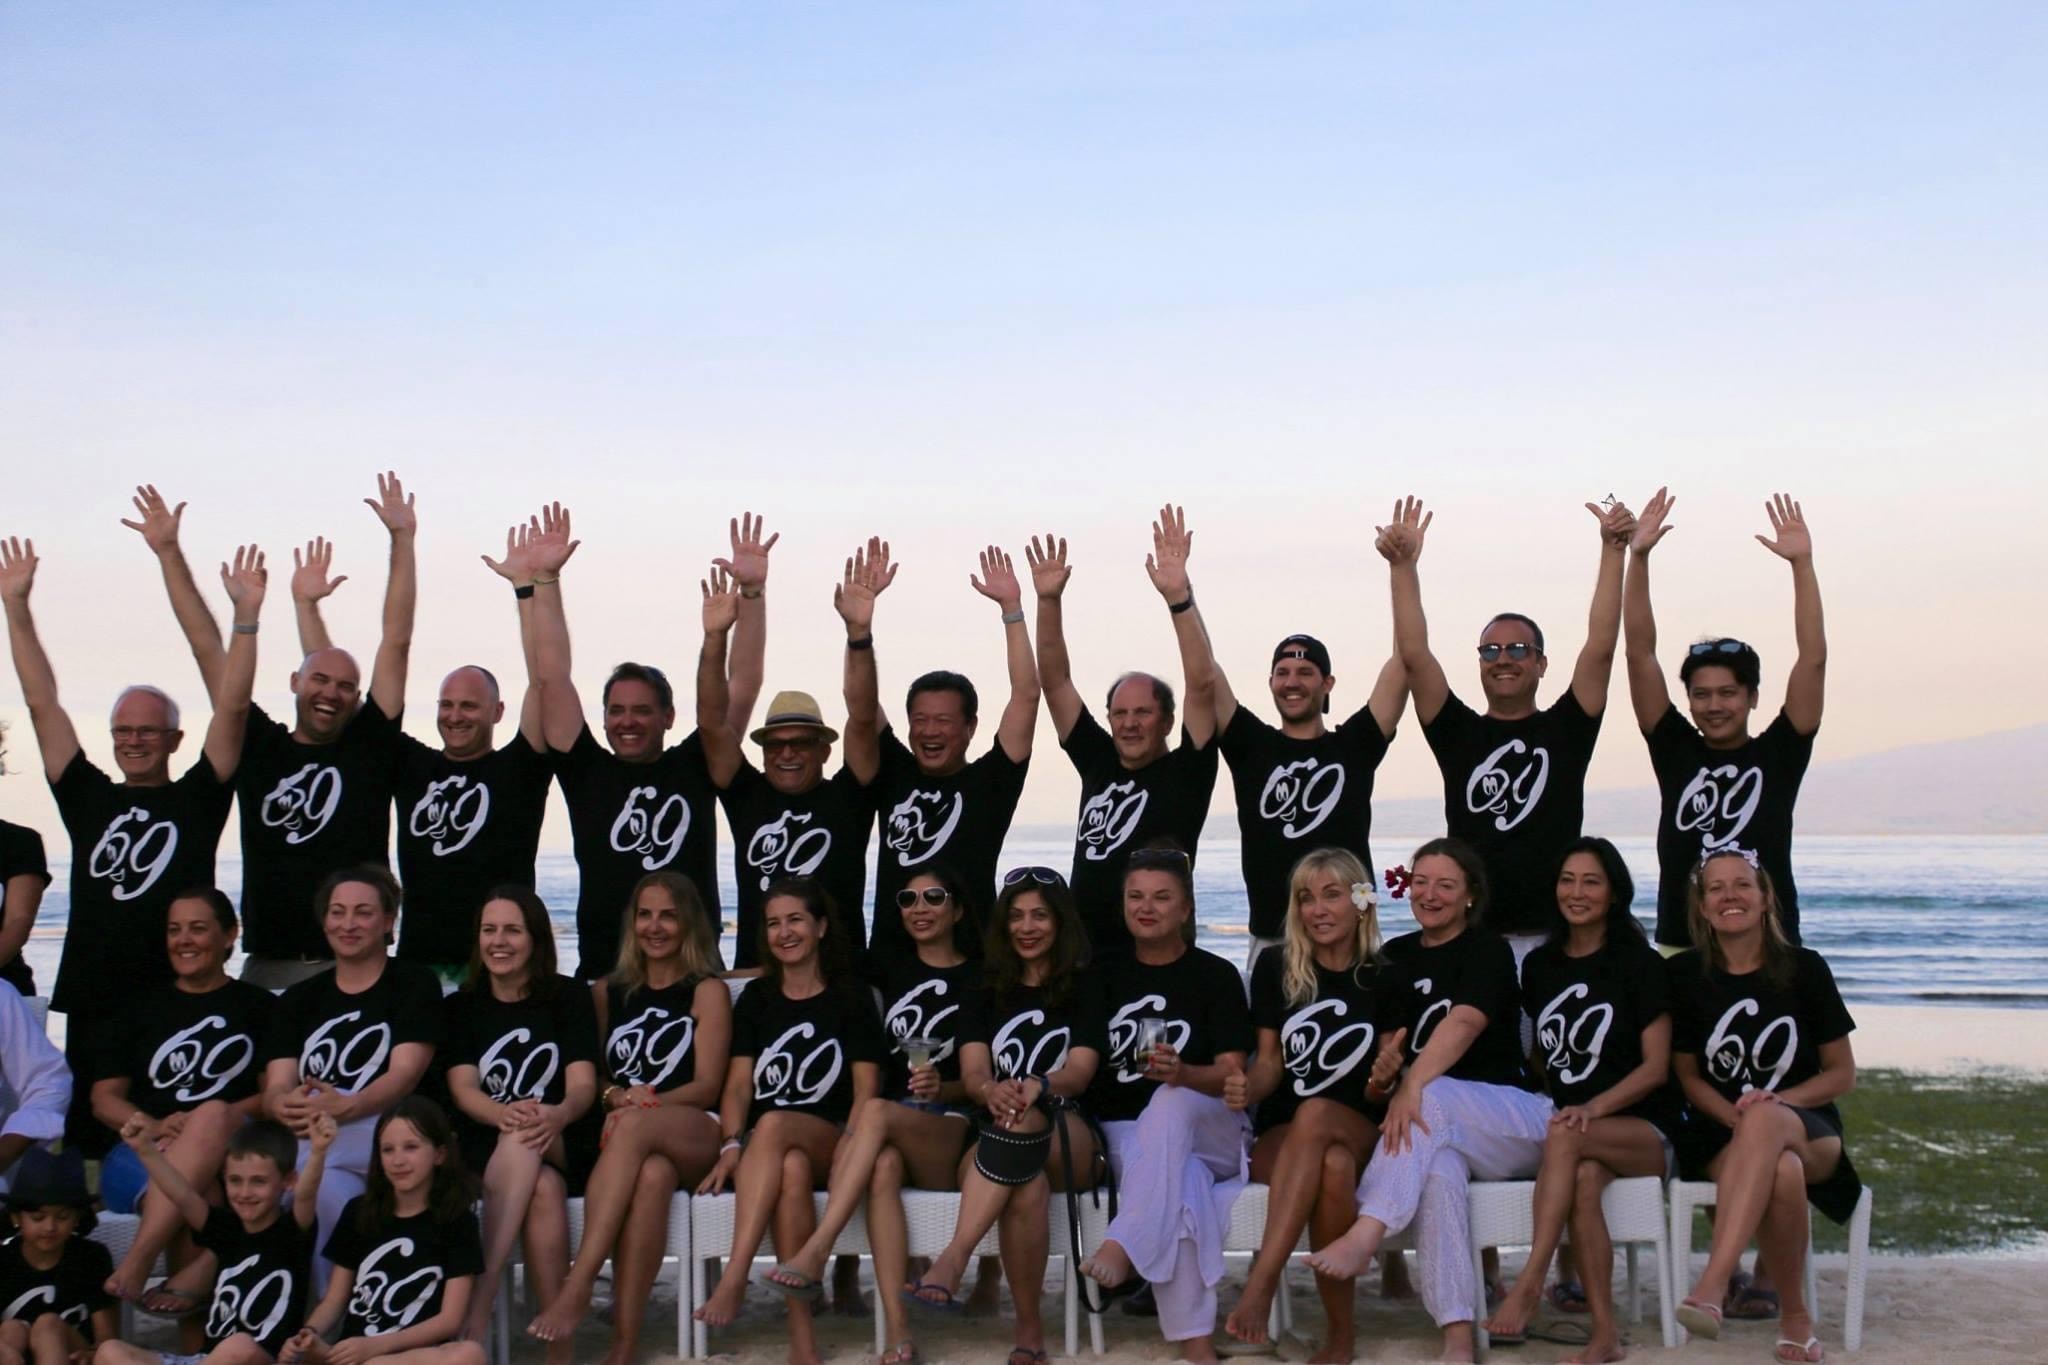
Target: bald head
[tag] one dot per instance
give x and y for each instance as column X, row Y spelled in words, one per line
column 467, row 711
column 327, row 688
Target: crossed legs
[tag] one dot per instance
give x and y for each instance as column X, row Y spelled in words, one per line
column 785, row 1154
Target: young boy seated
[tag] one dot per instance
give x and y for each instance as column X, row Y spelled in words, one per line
column 53, row 1293
column 264, row 1255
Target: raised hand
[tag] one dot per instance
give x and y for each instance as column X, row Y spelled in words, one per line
column 1617, row 523
column 321, row 1132
column 1167, row 565
column 17, row 568
column 1400, row 540
column 310, row 582
column 393, row 506
column 247, row 581
column 998, row 580
column 517, row 565
column 749, row 563
column 1651, row 526
column 868, row 573
column 1048, row 564
column 549, row 542
column 721, row 601
column 157, row 523
column 1789, row 539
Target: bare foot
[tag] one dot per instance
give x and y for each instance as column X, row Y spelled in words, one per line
column 1247, row 1321
column 558, row 1321
column 1602, row 1348
column 1344, row 1259
column 1198, row 1348
column 126, row 1284
column 1511, row 1319
column 1335, row 1353
column 1109, row 1267
column 724, row 1304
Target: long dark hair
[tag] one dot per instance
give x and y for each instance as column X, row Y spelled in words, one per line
column 1621, row 925
column 541, row 970
column 1069, row 941
column 835, row 950
column 450, row 1191
column 1469, row 862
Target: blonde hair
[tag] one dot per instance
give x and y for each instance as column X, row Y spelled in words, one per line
column 1777, row 948
column 1298, row 965
column 699, row 947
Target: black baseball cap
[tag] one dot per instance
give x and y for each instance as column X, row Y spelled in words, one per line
column 1304, row 647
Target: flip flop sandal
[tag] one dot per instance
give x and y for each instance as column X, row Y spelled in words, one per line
column 1569, row 1296
column 1096, row 1297
column 1805, row 1352
column 1562, row 1333
column 1700, row 1318
column 916, row 1296
column 903, row 1353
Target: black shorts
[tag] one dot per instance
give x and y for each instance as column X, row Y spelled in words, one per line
column 1699, row 1140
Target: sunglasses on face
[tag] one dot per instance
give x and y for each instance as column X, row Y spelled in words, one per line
column 1044, row 876
column 801, row 745
column 1705, row 647
column 1517, row 651
column 931, row 895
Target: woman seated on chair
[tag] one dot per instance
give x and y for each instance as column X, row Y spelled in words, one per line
column 1179, row 1028
column 665, row 1018
column 919, row 1140
column 1760, row 1041
column 1596, row 992
column 1313, row 1003
column 1462, row 1103
column 807, row 1052
column 1033, row 1048
column 186, row 1060
column 522, row 1070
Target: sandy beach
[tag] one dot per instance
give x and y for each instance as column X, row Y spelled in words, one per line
column 1936, row 1038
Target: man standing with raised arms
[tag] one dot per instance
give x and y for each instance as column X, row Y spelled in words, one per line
column 315, row 797
column 937, row 807
column 1303, row 785
column 788, row 819
column 139, row 842
column 1133, row 788
column 643, row 805
column 1515, row 776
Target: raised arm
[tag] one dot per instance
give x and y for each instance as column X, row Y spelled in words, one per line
column 868, row 574
column 1595, row 669
column 1389, row 695
column 158, row 525
column 561, row 710
column 714, row 711
column 1806, row 685
column 246, row 584
column 1400, row 543
column 516, row 568
column 747, row 665
column 313, row 581
column 1209, row 704
column 139, row 1132
column 1049, row 575
column 394, row 507
column 52, row 723
column 998, row 582
column 1648, row 691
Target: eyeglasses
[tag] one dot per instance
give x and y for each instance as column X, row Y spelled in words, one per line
column 802, row 744
column 143, row 734
column 1718, row 647
column 931, row 895
column 1517, row 651
column 1044, row 876
column 1158, row 858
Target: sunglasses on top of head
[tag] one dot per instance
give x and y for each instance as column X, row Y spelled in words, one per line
column 1718, row 647
column 1517, row 651
column 930, row 895
column 1044, row 876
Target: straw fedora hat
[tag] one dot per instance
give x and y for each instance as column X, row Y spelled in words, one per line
column 794, row 708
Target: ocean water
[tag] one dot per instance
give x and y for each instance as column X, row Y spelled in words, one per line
column 1902, row 920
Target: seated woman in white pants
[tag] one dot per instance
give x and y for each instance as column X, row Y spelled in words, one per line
column 1450, row 1028
column 1177, row 1150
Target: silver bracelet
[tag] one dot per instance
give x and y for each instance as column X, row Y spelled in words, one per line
column 247, row 629
column 1014, row 618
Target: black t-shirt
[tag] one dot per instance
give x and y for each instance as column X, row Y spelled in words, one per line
column 262, row 1285
column 1198, row 994
column 21, row 855
column 922, row 1002
column 1295, row 795
column 347, row 1040
column 133, row 850
column 1123, row 810
column 804, row 1051
column 958, row 821
column 1749, row 1034
column 522, row 1049
column 651, row 1034
column 1516, row 791
column 820, row 833
column 1326, row 1045
column 75, row 1288
column 630, row 819
column 463, row 828
column 402, row 1266
column 1420, row 985
column 1712, row 798
column 309, row 810
column 1589, row 1015
column 1029, row 1034
column 179, row 1049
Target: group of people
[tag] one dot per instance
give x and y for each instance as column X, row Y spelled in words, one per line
column 1012, row 1035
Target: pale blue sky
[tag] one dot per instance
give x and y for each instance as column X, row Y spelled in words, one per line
column 956, row 273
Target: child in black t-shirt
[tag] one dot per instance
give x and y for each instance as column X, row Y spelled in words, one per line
column 52, row 1280
column 406, row 1254
column 260, row 1255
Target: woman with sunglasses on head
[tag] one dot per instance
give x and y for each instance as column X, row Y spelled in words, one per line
column 1597, row 995
column 1178, row 1029
column 917, row 1130
column 1760, row 1042
column 807, row 1053
column 1033, row 1048
column 1719, row 783
column 1313, row 1003
column 1460, row 1104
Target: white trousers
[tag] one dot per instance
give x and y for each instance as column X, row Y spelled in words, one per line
column 1488, row 1132
column 1179, row 1167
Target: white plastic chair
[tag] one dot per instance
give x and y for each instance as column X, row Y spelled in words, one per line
column 1503, row 1213
column 678, row 1249
column 1689, row 1195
